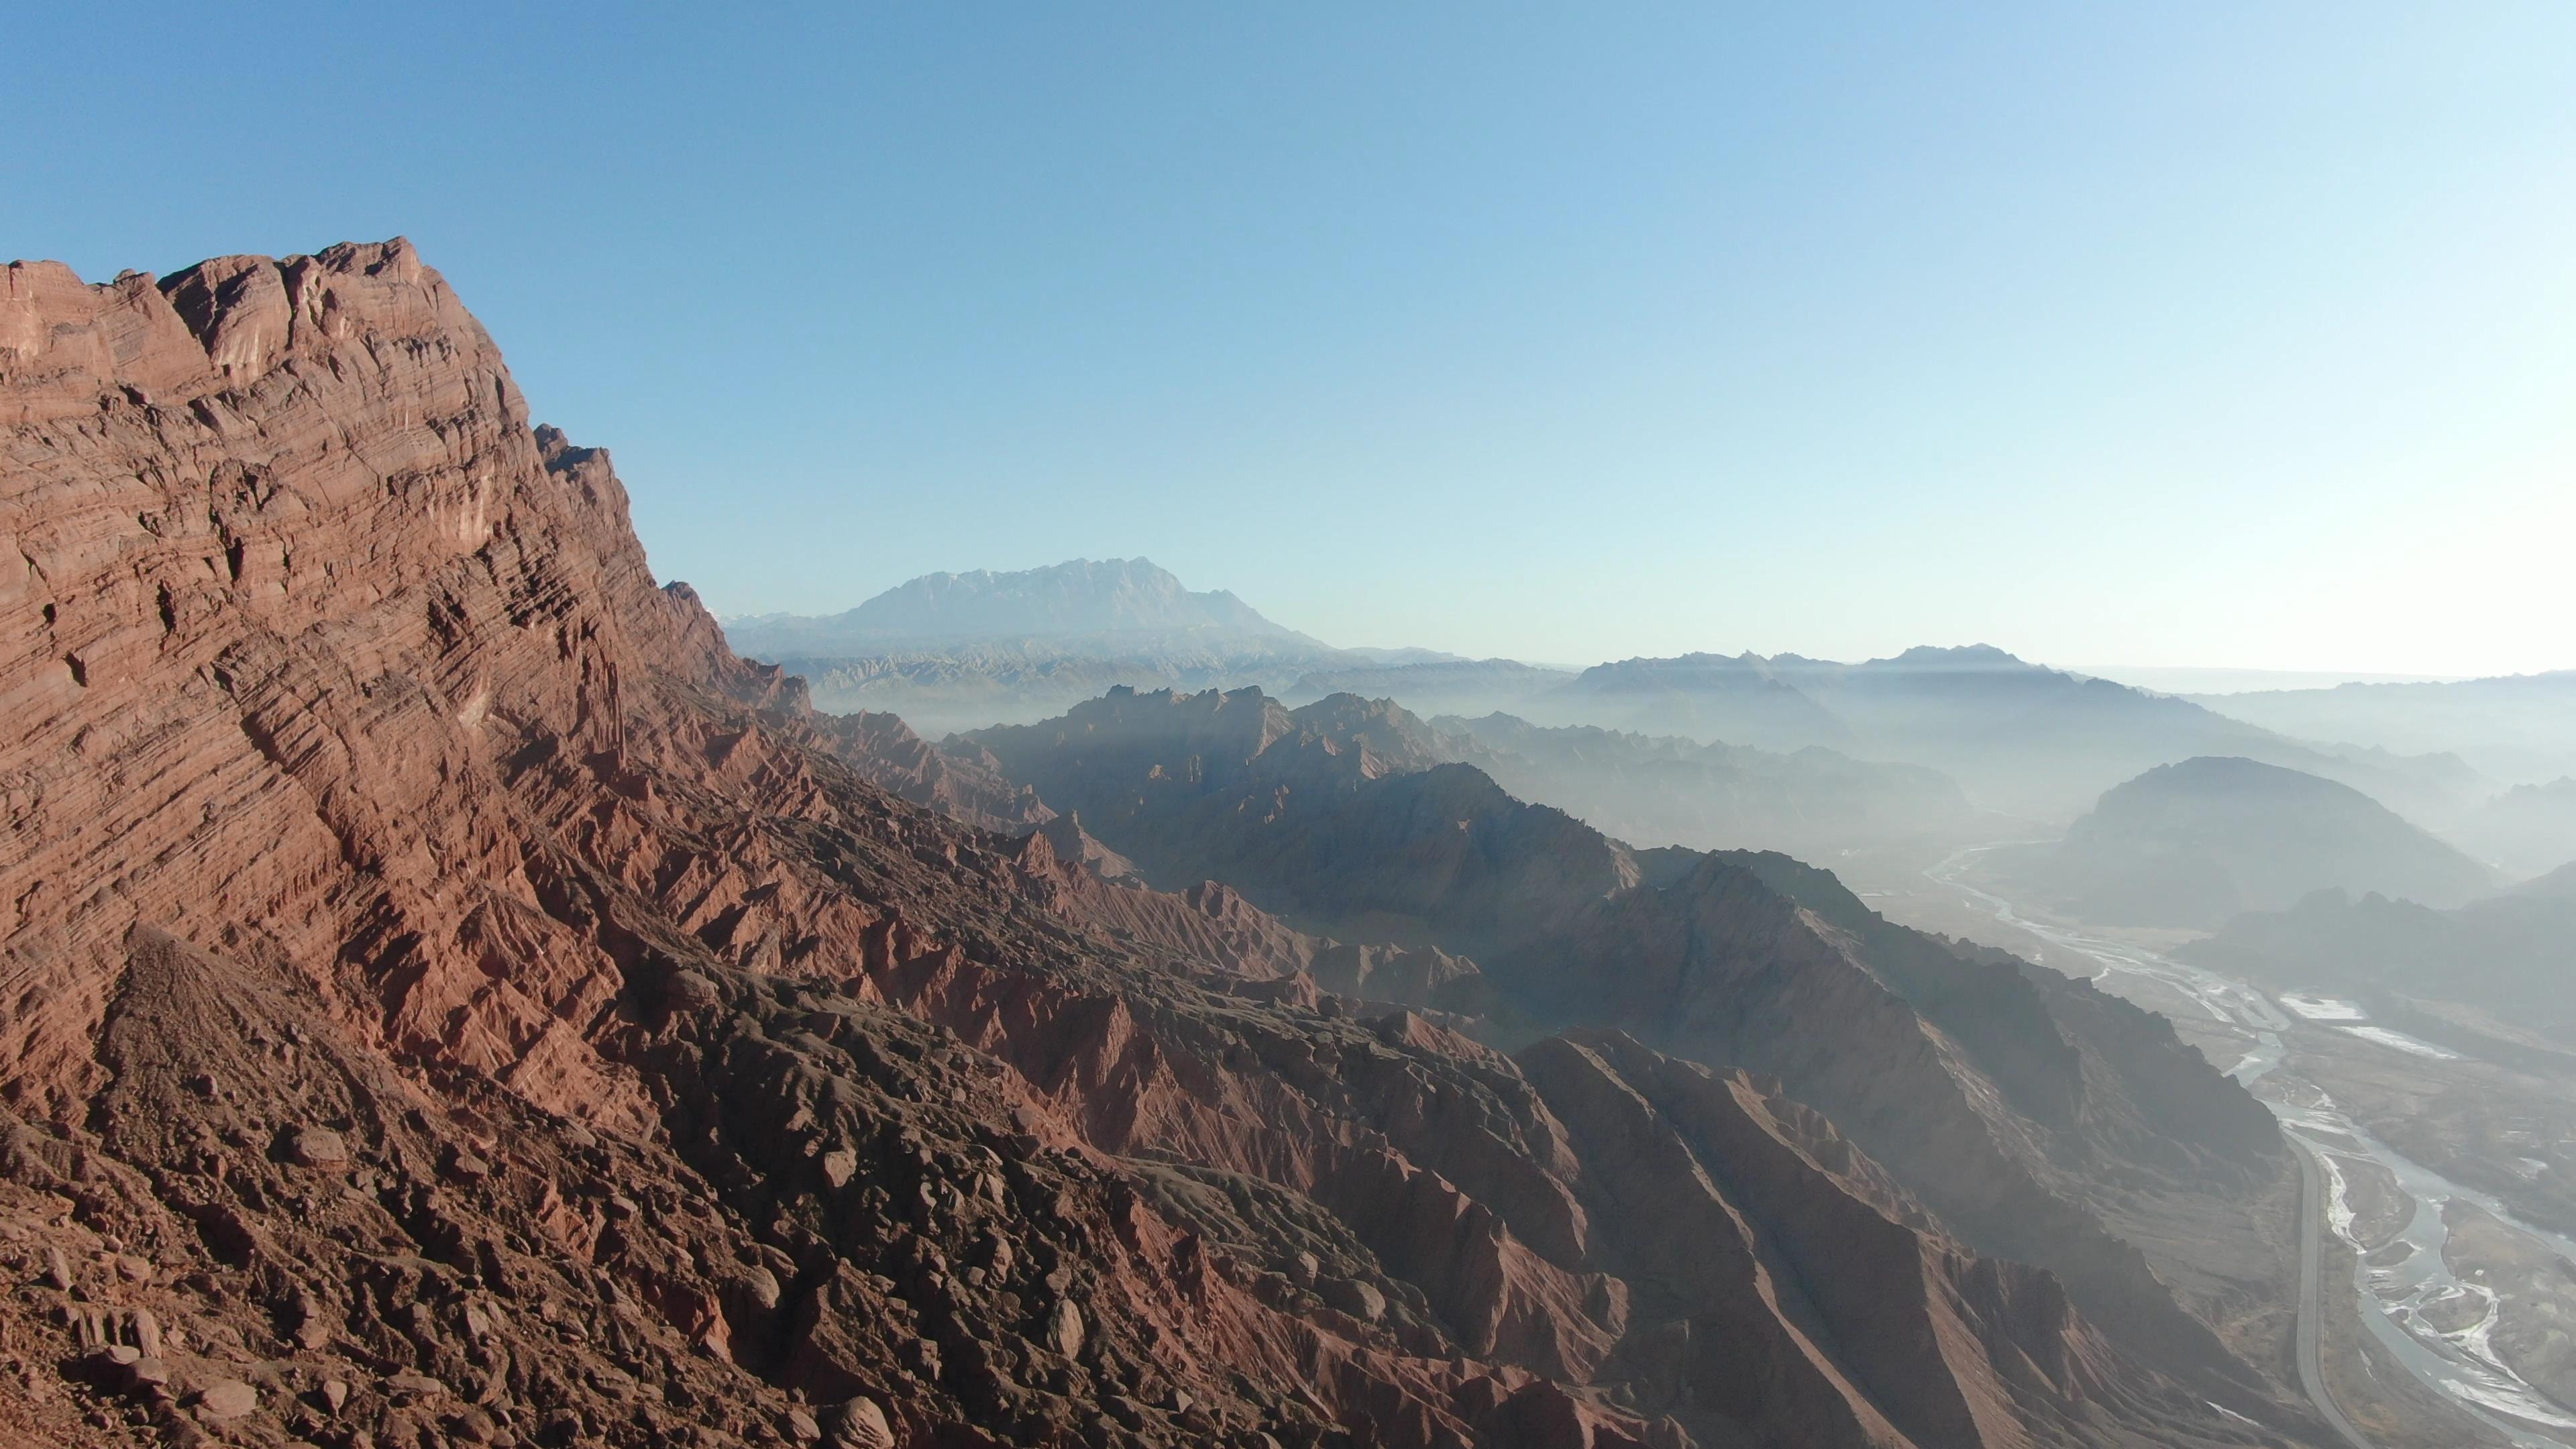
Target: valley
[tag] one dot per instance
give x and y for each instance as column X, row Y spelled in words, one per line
column 2453, row 1286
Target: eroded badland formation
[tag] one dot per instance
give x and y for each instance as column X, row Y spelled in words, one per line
column 449, row 998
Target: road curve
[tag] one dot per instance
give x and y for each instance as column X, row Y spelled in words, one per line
column 2312, row 1307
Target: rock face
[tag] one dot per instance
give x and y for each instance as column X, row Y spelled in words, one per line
column 450, row 998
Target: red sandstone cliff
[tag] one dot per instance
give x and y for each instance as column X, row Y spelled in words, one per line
column 449, row 998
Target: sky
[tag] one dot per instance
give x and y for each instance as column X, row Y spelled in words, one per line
column 2216, row 335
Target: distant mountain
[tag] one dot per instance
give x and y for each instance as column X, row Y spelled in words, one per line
column 2192, row 680
column 1405, row 656
column 950, row 652
column 2525, row 830
column 2518, row 728
column 2509, row 957
column 971, row 685
column 1740, row 699
column 956, row 652
column 2195, row 843
column 1081, row 599
column 1815, row 804
column 2021, row 738
column 1432, row 686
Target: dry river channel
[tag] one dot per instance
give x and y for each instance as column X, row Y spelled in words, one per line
column 2399, row 1285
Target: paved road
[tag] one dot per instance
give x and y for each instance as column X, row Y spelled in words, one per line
column 2312, row 1305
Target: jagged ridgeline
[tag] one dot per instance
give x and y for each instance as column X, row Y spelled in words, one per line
column 451, row 998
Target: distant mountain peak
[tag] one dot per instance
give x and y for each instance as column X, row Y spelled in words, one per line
column 1962, row 656
column 1077, row 599
column 1078, row 596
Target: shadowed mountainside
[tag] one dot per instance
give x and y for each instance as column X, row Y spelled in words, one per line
column 2193, row 844
column 1951, row 1065
column 2509, row 956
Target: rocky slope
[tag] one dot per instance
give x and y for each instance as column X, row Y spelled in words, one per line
column 2194, row 843
column 449, row 998
column 2036, row 1118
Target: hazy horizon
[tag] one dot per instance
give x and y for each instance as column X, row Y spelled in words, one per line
column 2162, row 678
column 2197, row 337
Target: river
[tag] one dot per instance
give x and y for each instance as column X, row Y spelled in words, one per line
column 2462, row 1363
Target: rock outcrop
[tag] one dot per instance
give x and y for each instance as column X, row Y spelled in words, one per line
column 449, row 998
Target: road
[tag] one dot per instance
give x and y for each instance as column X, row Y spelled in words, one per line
column 2312, row 1302
column 2251, row 1012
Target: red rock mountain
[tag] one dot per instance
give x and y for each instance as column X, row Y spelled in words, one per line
column 449, row 998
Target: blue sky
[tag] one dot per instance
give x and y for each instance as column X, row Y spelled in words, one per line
column 2234, row 335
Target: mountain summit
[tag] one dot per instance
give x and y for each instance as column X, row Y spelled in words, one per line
column 2193, row 843
column 960, row 651
column 1076, row 599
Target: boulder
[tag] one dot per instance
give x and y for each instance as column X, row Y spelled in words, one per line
column 1064, row 1330
column 860, row 1424
column 316, row 1147
column 1351, row 1296
column 839, row 1166
column 225, row 1400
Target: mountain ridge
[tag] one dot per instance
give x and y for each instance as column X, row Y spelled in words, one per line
column 955, row 652
column 2519, row 728
column 1355, row 830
